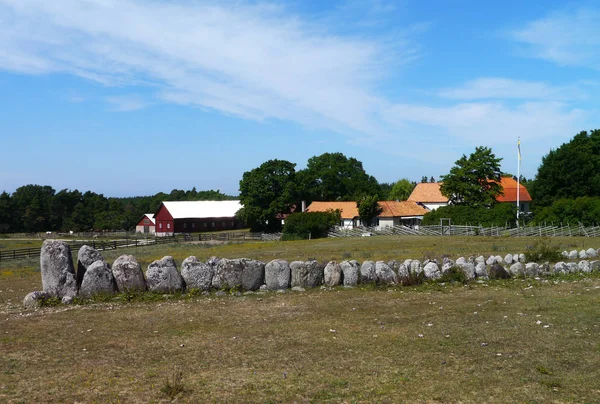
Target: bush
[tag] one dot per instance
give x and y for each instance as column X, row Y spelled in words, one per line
column 542, row 251
column 301, row 226
column 499, row 215
column 584, row 210
column 454, row 274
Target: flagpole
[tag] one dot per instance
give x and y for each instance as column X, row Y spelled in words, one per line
column 518, row 179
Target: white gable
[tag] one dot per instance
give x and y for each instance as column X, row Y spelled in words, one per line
column 150, row 216
column 202, row 209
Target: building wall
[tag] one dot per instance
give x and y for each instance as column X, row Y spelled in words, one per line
column 434, row 205
column 164, row 222
column 195, row 225
column 141, row 229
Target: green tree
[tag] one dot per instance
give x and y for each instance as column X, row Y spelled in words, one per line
column 302, row 225
column 424, row 179
column 472, row 180
column 401, row 190
column 267, row 192
column 6, row 213
column 335, row 177
column 368, row 208
column 571, row 171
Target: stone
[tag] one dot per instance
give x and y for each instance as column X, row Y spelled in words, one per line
column 481, row 270
column 582, row 255
column 573, row 267
column 407, row 262
column 499, row 259
column 508, row 259
column 573, row 255
column 565, row 254
column 471, row 260
column 561, row 268
column 253, row 274
column 58, row 273
column 584, row 266
column 545, row 268
column 595, row 266
column 461, row 260
column 522, row 259
column 307, row 274
column 212, row 262
column 591, row 253
column 415, row 267
column 480, row 259
column 497, row 271
column 469, row 270
column 332, row 274
column 447, row 267
column 367, row 272
column 403, row 272
column 432, row 271
column 35, row 299
column 395, row 265
column 516, row 269
column 128, row 274
column 350, row 270
column 98, row 280
column 277, row 275
column 385, row 274
column 228, row 273
column 86, row 256
column 491, row 260
column 298, row 289
column 197, row 274
column 67, row 300
column 162, row 276
column 532, row 269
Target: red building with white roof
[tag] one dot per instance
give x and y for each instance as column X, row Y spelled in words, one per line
column 196, row 216
column 146, row 224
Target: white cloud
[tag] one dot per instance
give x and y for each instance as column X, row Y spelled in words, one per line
column 126, row 103
column 569, row 38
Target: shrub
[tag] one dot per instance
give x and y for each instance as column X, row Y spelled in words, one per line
column 499, row 215
column 454, row 274
column 542, row 251
column 304, row 225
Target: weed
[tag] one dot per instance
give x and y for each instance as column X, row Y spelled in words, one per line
column 454, row 274
column 50, row 302
column 543, row 370
column 367, row 254
column 346, row 254
column 542, row 251
column 412, row 279
column 173, row 385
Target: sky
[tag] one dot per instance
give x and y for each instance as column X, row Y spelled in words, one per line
column 133, row 97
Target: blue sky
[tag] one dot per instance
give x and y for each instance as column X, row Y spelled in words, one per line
column 133, row 97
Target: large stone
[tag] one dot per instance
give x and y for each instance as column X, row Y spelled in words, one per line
column 573, row 255
column 162, row 276
column 395, row 265
column 565, row 254
column 128, row 274
column 582, row 255
column 407, row 262
column 447, row 267
column 35, row 299
column 497, row 271
column 480, row 259
column 367, row 272
column 253, row 274
column 481, row 270
column 58, row 273
column 350, row 269
column 516, row 269
column 332, row 274
column 385, row 274
column 508, row 259
column 532, row 269
column 499, row 259
column 403, row 272
column 521, row 259
column 591, row 253
column 491, row 260
column 469, row 270
column 595, row 265
column 561, row 268
column 86, row 256
column 470, row 260
column 584, row 266
column 277, row 275
column 573, row 267
column 415, row 267
column 307, row 274
column 228, row 273
column 460, row 261
column 197, row 274
column 98, row 280
column 432, row 271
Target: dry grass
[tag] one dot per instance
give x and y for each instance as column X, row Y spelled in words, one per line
column 480, row 343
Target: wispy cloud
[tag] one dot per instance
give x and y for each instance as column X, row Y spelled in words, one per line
column 567, row 38
column 126, row 103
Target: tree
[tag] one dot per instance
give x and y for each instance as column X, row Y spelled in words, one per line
column 335, row 177
column 571, row 171
column 401, row 190
column 368, row 208
column 432, row 180
column 303, row 225
column 267, row 192
column 424, row 179
column 473, row 180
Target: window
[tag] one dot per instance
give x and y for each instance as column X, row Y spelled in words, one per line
column 213, row 224
column 223, row 224
column 232, row 224
column 205, row 224
column 146, row 221
column 160, row 225
column 193, row 225
column 185, row 225
column 168, row 225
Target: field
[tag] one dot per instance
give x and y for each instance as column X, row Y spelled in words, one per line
column 499, row 341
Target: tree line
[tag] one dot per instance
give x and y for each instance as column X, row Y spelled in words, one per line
column 39, row 208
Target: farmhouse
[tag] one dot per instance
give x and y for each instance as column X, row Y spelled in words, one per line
column 146, row 224
column 196, row 216
column 393, row 213
column 430, row 196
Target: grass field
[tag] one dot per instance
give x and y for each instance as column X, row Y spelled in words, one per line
column 520, row 340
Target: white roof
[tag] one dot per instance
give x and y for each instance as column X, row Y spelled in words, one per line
column 150, row 216
column 202, row 209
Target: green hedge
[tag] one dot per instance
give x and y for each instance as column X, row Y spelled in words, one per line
column 499, row 215
column 584, row 210
column 301, row 226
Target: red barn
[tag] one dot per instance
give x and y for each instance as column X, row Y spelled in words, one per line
column 196, row 216
column 146, row 224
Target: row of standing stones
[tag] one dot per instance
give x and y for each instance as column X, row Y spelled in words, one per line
column 95, row 276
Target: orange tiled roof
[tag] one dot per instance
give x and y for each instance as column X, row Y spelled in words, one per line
column 427, row 192
column 430, row 192
column 349, row 209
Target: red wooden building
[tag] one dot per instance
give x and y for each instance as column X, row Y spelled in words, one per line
column 196, row 216
column 146, row 224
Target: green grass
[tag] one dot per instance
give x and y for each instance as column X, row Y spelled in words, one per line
column 426, row 343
